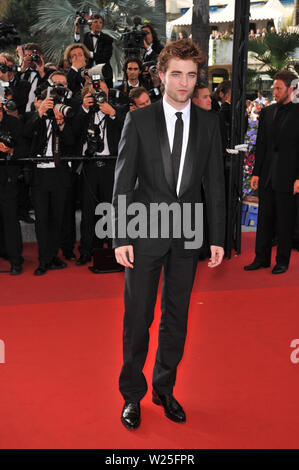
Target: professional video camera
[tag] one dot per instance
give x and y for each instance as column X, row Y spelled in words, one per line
column 8, row 35
column 5, row 91
column 59, row 93
column 133, row 39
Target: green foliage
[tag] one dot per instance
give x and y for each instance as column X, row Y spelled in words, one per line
column 55, row 20
column 23, row 15
column 274, row 51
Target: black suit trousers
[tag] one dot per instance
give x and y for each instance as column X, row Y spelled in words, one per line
column 178, row 278
column 11, row 230
column 97, row 186
column 276, row 211
column 49, row 202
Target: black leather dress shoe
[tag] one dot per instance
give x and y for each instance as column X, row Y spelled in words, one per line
column 279, row 269
column 83, row 260
column 16, row 269
column 172, row 408
column 130, row 416
column 57, row 263
column 40, row 270
column 69, row 255
column 256, row 265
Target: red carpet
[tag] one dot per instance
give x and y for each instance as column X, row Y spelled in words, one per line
column 62, row 335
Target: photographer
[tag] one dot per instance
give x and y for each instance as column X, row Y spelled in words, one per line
column 152, row 44
column 12, row 146
column 16, row 92
column 99, row 126
column 51, row 136
column 33, row 69
column 77, row 56
column 16, row 89
column 136, row 75
column 139, row 98
column 99, row 44
column 68, row 235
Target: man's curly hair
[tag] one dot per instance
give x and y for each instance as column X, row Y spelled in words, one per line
column 184, row 49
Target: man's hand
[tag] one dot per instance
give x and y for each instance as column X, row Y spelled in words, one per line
column 5, row 149
column 26, row 63
column 296, row 187
column 88, row 101
column 254, row 182
column 41, row 68
column 76, row 25
column 125, row 256
column 106, row 108
column 46, row 104
column 217, row 253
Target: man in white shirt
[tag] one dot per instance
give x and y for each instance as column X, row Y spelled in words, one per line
column 166, row 150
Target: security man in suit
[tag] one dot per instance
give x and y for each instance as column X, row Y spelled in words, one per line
column 165, row 151
column 276, row 174
column 99, row 44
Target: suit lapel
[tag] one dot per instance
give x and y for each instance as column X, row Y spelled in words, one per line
column 190, row 152
column 164, row 145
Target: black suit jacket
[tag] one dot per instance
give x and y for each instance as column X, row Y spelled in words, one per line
column 144, row 171
column 35, row 131
column 9, row 172
column 80, row 125
column 285, row 170
column 103, row 52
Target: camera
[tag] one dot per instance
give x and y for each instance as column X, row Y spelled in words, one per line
column 5, row 91
column 99, row 96
column 152, row 66
column 133, row 40
column 6, row 139
column 95, row 142
column 82, row 19
column 36, row 58
column 59, row 93
column 9, row 68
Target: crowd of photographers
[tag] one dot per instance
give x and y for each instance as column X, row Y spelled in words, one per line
column 64, row 124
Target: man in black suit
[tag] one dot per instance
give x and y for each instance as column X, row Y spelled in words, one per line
column 99, row 45
column 276, row 174
column 12, row 146
column 152, row 44
column 166, row 150
column 19, row 88
column 51, row 137
column 98, row 128
column 33, row 69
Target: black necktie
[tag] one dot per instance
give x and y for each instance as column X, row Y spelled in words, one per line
column 177, row 146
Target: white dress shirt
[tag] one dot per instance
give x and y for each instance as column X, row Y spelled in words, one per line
column 170, row 118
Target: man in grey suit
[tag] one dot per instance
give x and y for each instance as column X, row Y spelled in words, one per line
column 167, row 150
